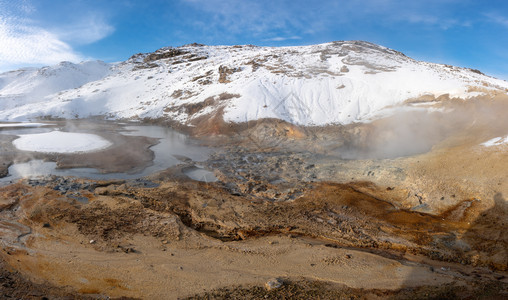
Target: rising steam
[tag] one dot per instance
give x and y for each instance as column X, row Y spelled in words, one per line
column 418, row 131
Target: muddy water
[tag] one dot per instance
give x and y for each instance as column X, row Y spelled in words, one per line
column 172, row 148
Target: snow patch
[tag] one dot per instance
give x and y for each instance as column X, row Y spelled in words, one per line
column 498, row 141
column 61, row 142
column 11, row 125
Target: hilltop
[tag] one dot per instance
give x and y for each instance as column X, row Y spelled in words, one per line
column 334, row 83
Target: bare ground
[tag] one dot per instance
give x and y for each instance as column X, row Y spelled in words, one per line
column 429, row 225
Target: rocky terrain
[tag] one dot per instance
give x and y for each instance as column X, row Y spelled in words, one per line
column 170, row 236
column 341, row 82
column 401, row 199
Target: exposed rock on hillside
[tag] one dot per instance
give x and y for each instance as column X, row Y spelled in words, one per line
column 335, row 83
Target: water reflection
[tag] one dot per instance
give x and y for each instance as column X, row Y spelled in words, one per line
column 172, row 146
column 200, row 174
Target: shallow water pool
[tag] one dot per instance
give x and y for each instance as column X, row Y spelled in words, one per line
column 168, row 152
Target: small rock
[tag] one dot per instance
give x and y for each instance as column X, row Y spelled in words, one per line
column 46, row 225
column 241, row 235
column 273, row 284
column 92, row 241
column 128, row 250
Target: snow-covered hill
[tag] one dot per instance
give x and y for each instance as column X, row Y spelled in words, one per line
column 25, row 87
column 338, row 82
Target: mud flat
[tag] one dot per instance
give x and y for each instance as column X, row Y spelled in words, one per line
column 124, row 150
column 67, row 145
column 179, row 238
column 289, row 216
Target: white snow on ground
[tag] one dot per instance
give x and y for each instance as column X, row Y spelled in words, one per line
column 332, row 83
column 61, row 142
column 498, row 141
column 29, row 87
column 25, row 124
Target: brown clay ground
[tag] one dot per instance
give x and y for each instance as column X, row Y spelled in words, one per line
column 424, row 226
column 182, row 238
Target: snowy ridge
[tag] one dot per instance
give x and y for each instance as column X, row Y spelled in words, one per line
column 338, row 82
column 24, row 87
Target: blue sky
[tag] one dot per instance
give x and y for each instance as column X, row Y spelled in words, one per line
column 465, row 33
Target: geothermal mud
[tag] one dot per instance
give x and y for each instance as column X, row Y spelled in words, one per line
column 151, row 239
column 123, row 153
column 288, row 207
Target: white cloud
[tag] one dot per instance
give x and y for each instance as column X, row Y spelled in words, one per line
column 25, row 41
column 15, row 7
column 496, row 18
column 86, row 30
column 261, row 18
column 281, row 38
column 254, row 17
column 22, row 44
